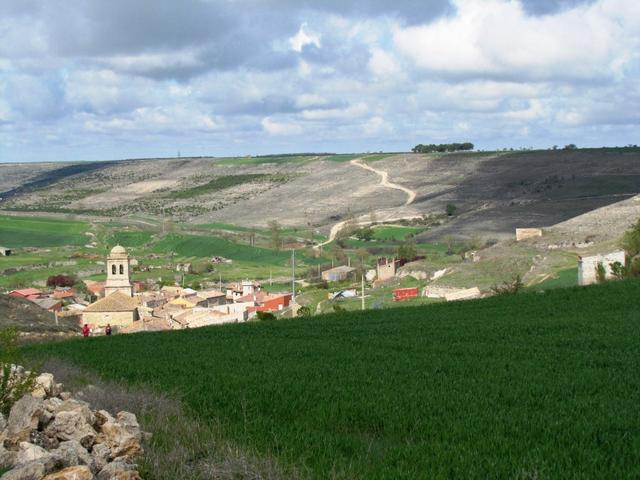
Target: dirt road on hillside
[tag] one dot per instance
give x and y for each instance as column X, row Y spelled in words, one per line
column 384, row 182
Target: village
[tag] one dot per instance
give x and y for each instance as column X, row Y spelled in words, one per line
column 127, row 306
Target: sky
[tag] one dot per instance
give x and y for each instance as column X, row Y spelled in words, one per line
column 112, row 79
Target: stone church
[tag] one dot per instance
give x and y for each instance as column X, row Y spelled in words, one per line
column 118, row 307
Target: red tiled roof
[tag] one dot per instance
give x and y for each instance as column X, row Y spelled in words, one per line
column 64, row 294
column 25, row 292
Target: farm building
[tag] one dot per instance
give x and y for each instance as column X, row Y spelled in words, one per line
column 25, row 292
column 338, row 274
column 587, row 266
column 50, row 304
column 237, row 290
column 5, row 252
column 272, row 303
column 400, row 294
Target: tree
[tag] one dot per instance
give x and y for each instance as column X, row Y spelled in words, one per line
column 618, row 270
column 275, row 230
column 601, row 273
column 337, row 253
column 508, row 287
column 451, row 209
column 365, row 234
column 571, row 146
column 61, row 281
column 631, row 240
column 442, row 147
column 407, row 251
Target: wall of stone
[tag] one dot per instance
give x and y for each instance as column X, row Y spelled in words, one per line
column 525, row 233
column 587, row 266
column 116, row 319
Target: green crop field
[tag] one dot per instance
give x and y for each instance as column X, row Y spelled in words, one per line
column 207, row 246
column 18, row 232
column 535, row 385
column 130, row 239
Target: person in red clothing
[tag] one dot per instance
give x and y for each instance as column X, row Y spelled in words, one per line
column 85, row 330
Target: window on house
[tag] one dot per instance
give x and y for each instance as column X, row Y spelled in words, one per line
column 113, row 269
column 121, row 269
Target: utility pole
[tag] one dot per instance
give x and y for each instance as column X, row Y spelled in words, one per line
column 270, row 276
column 162, row 220
column 293, row 275
column 362, row 296
column 220, row 281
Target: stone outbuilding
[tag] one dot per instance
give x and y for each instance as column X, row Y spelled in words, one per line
column 588, row 266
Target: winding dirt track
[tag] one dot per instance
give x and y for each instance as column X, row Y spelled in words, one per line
column 384, row 182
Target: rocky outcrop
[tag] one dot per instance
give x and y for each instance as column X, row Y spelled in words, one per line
column 49, row 435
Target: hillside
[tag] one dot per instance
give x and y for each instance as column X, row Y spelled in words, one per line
column 493, row 192
column 25, row 316
column 538, row 385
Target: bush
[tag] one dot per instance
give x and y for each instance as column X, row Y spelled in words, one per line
column 265, row 316
column 601, row 273
column 304, row 311
column 451, row 209
column 61, row 281
column 618, row 270
column 12, row 385
column 365, row 234
column 509, row 288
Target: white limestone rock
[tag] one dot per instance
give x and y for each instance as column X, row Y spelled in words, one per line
column 24, row 418
column 71, row 425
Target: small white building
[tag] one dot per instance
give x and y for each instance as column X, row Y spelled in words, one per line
column 587, row 266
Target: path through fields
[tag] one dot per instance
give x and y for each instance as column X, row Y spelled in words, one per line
column 384, row 182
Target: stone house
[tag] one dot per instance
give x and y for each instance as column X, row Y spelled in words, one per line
column 117, row 309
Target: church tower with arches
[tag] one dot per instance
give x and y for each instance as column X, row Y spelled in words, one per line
column 118, row 272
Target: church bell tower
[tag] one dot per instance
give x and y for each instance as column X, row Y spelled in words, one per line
column 118, row 272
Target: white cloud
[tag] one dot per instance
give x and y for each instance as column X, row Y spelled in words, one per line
column 352, row 111
column 497, row 38
column 377, row 126
column 304, row 38
column 273, row 127
column 383, row 64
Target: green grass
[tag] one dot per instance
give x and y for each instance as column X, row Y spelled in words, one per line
column 344, row 157
column 536, row 385
column 395, row 233
column 220, row 183
column 564, row 278
column 375, row 158
column 208, row 246
column 16, row 232
column 130, row 239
